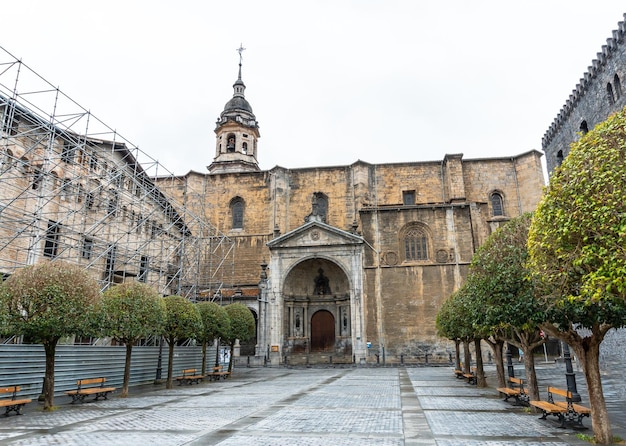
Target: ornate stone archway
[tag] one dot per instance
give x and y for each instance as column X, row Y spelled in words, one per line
column 314, row 269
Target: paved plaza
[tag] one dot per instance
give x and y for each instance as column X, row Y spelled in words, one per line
column 386, row 406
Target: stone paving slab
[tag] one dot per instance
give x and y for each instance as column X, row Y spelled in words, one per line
column 280, row 440
column 315, row 420
column 454, row 403
column 303, row 407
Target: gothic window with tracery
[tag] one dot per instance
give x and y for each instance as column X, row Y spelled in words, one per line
column 415, row 244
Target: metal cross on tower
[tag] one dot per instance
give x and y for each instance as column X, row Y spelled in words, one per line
column 240, row 50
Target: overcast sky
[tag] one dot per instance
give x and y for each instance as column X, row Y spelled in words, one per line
column 330, row 82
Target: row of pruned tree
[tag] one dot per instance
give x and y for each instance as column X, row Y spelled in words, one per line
column 560, row 271
column 52, row 300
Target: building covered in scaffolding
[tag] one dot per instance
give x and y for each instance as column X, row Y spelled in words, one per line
column 73, row 189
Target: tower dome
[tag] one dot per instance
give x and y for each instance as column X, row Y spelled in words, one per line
column 237, row 132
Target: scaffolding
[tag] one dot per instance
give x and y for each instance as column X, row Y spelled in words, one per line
column 73, row 189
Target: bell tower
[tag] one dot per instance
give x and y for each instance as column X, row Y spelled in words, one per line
column 237, row 133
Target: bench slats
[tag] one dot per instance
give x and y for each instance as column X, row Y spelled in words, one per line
column 13, row 404
column 516, row 390
column 189, row 377
column 81, row 391
column 566, row 411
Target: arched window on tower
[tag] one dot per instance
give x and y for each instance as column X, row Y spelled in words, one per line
column 609, row 93
column 230, row 143
column 415, row 241
column 617, row 86
column 497, row 204
column 559, row 157
column 584, row 128
column 244, row 148
column 236, row 212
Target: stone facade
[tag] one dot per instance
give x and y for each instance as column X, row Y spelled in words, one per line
column 392, row 241
column 599, row 93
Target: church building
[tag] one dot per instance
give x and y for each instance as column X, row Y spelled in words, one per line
column 349, row 263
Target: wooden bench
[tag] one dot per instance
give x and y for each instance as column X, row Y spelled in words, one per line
column 471, row 376
column 218, row 373
column 515, row 389
column 458, row 373
column 13, row 404
column 90, row 386
column 189, row 376
column 566, row 411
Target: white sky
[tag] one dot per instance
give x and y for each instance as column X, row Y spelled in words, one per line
column 330, row 82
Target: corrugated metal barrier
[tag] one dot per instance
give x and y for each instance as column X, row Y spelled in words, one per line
column 24, row 365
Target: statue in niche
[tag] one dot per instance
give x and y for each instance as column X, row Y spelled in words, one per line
column 298, row 323
column 321, row 283
column 319, row 208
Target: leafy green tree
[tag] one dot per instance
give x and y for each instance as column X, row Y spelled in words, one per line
column 447, row 327
column 131, row 311
column 46, row 302
column 215, row 325
column 456, row 320
column 501, row 282
column 182, row 321
column 576, row 245
column 242, row 327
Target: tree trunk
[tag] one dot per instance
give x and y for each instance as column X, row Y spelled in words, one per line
column 129, row 349
column 588, row 352
column 457, row 354
column 217, row 353
column 48, row 383
column 204, row 343
column 481, row 381
column 467, row 357
column 532, row 387
column 497, row 345
column 170, row 363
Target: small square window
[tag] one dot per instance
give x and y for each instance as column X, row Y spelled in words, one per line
column 408, row 197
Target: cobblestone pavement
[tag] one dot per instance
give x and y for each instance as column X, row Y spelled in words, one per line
column 386, row 406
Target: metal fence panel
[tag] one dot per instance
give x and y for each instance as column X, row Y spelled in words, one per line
column 24, row 365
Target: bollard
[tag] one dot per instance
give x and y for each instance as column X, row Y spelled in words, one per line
column 426, row 358
column 402, row 358
column 330, row 359
column 377, row 358
column 450, row 357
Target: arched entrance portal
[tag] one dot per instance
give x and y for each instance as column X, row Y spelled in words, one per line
column 316, row 295
column 322, row 332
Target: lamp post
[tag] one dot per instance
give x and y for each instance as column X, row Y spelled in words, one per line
column 570, row 376
column 159, row 368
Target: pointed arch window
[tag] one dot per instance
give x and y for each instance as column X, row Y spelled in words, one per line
column 584, row 128
column 236, row 212
column 559, row 157
column 497, row 204
column 415, row 244
column 617, row 86
column 610, row 94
